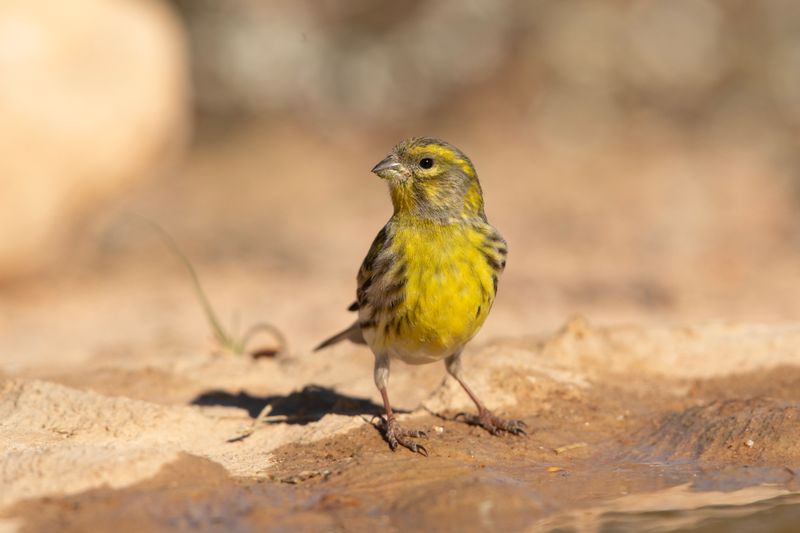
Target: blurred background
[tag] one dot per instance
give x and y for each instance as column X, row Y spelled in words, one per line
column 642, row 158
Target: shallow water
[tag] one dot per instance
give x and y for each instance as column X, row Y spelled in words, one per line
column 441, row 494
column 776, row 514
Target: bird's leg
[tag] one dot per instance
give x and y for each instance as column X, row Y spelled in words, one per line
column 485, row 418
column 392, row 431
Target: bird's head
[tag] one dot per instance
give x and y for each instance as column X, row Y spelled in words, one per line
column 432, row 179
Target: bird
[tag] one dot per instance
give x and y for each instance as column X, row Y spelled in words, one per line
column 430, row 277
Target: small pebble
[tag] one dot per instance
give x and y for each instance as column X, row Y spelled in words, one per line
column 749, row 443
column 568, row 447
column 438, row 429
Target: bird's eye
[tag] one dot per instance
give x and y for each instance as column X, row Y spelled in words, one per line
column 426, row 162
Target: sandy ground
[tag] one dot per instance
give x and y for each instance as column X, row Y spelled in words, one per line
column 678, row 393
column 612, row 414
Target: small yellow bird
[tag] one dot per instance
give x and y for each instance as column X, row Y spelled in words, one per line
column 430, row 276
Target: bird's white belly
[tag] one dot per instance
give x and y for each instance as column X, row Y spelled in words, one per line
column 415, row 354
column 419, row 356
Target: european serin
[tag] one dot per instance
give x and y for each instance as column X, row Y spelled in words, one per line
column 430, row 276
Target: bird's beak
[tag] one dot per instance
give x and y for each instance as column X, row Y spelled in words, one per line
column 387, row 168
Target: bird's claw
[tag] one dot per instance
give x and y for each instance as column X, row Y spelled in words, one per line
column 397, row 435
column 494, row 424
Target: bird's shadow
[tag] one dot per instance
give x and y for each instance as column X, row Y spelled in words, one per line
column 300, row 407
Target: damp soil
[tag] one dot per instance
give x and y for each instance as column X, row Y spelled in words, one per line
column 584, row 454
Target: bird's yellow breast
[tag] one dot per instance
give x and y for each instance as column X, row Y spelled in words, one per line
column 448, row 292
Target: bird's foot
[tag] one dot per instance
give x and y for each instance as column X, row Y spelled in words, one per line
column 493, row 424
column 396, row 434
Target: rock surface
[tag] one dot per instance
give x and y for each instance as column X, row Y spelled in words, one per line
column 94, row 100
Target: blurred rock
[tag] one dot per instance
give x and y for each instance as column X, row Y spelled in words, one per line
column 384, row 64
column 336, row 60
column 94, row 98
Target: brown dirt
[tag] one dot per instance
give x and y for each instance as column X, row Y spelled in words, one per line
column 595, row 436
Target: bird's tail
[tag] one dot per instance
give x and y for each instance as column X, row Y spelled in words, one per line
column 353, row 334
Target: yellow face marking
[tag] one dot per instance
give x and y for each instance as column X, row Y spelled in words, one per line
column 473, row 201
column 428, row 191
column 402, row 198
column 440, row 153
